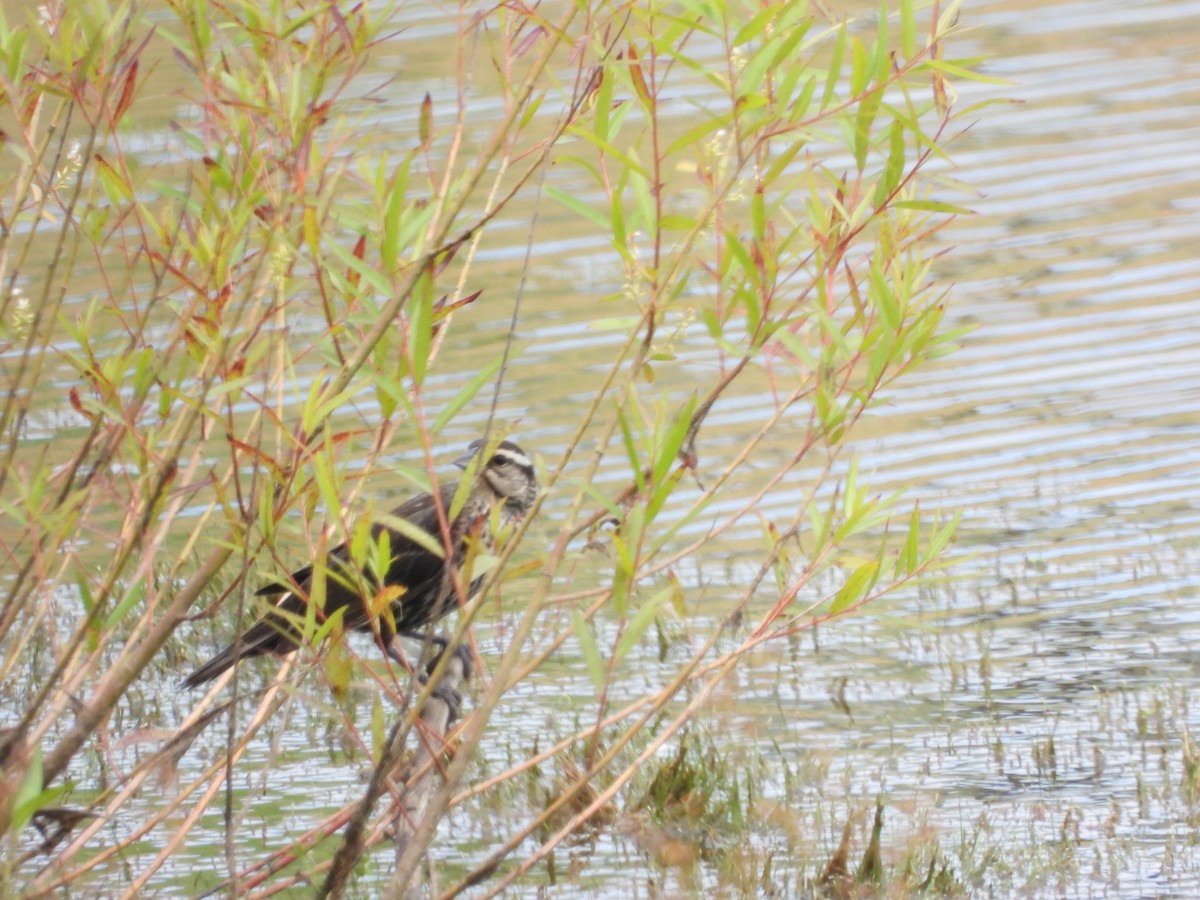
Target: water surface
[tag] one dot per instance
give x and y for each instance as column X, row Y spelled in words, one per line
column 1028, row 715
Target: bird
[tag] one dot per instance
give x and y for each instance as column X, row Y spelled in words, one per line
column 419, row 578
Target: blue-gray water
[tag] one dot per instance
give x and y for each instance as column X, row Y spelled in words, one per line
column 1029, row 714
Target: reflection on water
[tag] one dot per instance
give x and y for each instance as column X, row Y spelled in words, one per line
column 1036, row 704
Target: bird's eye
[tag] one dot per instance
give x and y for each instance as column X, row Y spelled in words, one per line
column 496, row 460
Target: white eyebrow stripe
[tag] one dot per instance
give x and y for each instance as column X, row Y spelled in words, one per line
column 519, row 459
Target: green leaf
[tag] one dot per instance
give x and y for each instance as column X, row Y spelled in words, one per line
column 879, row 62
column 788, row 153
column 466, row 394
column 602, row 106
column 309, row 414
column 942, row 536
column 860, row 73
column 115, row 185
column 642, row 619
column 785, row 87
column 133, row 596
column 85, row 592
column 948, row 17
column 360, row 543
column 949, row 68
column 420, row 325
column 616, row 224
column 645, row 203
column 631, row 451
column 390, row 247
column 867, row 110
column 25, row 801
column 465, row 484
column 933, row 206
column 609, row 149
column 676, row 223
column 755, row 26
column 30, row 797
column 414, row 533
column 895, row 165
column 908, row 29
column 317, row 584
column 758, row 215
column 327, row 483
column 576, row 205
column 327, row 407
column 378, row 728
column 388, row 391
column 333, row 622
column 623, row 572
column 482, row 563
column 673, row 441
column 294, row 25
column 851, row 494
column 750, row 79
column 856, row 587
column 821, row 523
column 906, row 562
column 835, row 68
column 531, row 108
column 696, row 133
column 614, row 323
column 380, row 562
column 338, row 667
column 363, row 269
column 589, row 650
column 604, row 500
column 783, row 52
column 661, row 493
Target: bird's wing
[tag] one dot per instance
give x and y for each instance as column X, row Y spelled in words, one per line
column 412, row 565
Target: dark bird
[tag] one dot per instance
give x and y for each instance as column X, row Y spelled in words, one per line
column 419, row 577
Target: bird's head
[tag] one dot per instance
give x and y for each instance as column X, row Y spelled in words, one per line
column 508, row 472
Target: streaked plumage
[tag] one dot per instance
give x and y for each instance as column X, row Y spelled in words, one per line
column 428, row 594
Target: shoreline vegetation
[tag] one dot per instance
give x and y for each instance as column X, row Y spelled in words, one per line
column 221, row 322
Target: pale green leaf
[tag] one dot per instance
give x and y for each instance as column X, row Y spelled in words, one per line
column 641, row 620
column 589, row 650
column 856, row 587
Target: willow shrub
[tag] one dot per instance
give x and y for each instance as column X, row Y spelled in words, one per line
column 221, row 286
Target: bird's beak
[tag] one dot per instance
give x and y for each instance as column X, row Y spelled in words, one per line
column 472, row 450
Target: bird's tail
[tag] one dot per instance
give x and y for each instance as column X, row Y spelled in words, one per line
column 215, row 666
column 266, row 636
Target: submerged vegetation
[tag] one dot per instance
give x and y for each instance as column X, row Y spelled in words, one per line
column 224, row 325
